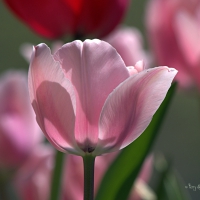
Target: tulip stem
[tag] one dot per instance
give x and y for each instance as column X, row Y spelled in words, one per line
column 57, row 176
column 3, row 192
column 88, row 161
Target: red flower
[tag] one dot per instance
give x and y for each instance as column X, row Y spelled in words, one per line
column 54, row 18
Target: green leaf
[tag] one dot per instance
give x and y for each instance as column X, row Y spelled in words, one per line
column 119, row 178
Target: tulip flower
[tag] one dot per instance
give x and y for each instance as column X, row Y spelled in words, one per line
column 55, row 18
column 19, row 133
column 86, row 101
column 129, row 44
column 174, row 34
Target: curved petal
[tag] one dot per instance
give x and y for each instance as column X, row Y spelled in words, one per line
column 95, row 69
column 53, row 100
column 130, row 107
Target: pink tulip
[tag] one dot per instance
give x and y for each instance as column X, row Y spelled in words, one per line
column 85, row 100
column 174, row 31
column 129, row 44
column 19, row 133
column 55, row 18
column 32, row 181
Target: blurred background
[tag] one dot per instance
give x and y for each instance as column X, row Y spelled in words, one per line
column 179, row 138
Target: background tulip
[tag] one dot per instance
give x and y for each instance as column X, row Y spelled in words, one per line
column 173, row 32
column 19, row 133
column 32, row 181
column 55, row 18
column 81, row 91
column 128, row 42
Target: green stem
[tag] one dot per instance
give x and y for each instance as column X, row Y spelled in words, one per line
column 3, row 192
column 57, row 174
column 88, row 162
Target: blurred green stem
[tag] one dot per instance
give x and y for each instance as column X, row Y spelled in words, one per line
column 57, row 174
column 88, row 162
column 3, row 192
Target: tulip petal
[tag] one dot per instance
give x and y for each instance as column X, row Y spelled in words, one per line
column 95, row 69
column 53, row 100
column 130, row 107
